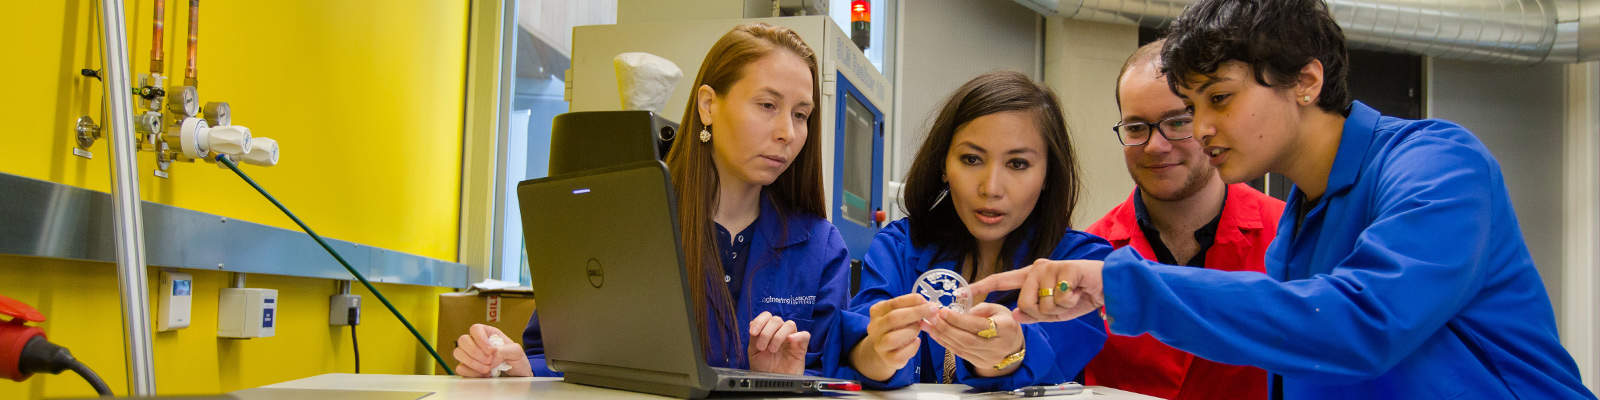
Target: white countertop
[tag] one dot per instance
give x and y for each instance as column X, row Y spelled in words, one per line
column 377, row 386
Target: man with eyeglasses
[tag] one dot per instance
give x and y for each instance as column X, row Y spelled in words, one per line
column 1180, row 213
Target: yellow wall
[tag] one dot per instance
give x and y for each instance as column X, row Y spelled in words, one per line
column 81, row 301
column 365, row 99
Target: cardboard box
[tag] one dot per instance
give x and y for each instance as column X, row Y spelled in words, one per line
column 506, row 309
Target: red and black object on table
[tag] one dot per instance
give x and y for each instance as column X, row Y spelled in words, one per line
column 24, row 350
column 16, row 335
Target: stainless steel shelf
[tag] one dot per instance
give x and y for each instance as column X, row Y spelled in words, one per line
column 47, row 219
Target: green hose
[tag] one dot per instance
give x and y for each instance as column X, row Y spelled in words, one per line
column 223, row 158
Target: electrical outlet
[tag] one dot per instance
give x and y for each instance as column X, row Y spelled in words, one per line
column 344, row 310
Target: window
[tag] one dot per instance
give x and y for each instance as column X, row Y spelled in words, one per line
column 881, row 13
column 543, row 48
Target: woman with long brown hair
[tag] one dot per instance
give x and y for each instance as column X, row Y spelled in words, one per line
column 991, row 190
column 768, row 273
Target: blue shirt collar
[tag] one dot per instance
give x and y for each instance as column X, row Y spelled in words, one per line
column 778, row 228
column 1354, row 142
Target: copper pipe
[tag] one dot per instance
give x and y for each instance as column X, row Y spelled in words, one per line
column 189, row 73
column 156, row 57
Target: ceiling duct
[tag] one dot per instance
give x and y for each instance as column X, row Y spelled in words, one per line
column 1504, row 31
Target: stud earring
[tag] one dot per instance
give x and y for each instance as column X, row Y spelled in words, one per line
column 1305, row 99
column 705, row 134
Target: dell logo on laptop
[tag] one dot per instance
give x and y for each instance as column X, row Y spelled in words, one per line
column 597, row 275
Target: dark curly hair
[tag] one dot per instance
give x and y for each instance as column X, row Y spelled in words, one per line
column 1275, row 37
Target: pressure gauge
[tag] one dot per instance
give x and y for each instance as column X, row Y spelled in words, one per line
column 185, row 101
column 218, row 114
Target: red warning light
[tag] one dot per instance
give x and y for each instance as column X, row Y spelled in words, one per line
column 860, row 11
column 861, row 23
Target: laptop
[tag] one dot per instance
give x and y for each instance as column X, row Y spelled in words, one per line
column 613, row 293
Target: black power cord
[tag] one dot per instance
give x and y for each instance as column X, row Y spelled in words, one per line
column 99, row 385
column 40, row 355
column 353, row 344
column 228, row 162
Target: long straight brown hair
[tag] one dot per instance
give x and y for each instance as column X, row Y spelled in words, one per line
column 995, row 92
column 694, row 176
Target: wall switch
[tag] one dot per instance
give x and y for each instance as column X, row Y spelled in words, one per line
column 344, row 309
column 176, row 293
column 247, row 313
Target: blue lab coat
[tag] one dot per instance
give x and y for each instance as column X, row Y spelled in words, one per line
column 1056, row 351
column 798, row 270
column 1408, row 279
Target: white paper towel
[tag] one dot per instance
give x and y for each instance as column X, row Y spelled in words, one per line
column 645, row 81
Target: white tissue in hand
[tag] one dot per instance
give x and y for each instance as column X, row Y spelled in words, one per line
column 496, row 341
column 644, row 80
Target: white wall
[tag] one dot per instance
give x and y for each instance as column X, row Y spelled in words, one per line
column 1580, row 329
column 552, row 20
column 1520, row 114
column 1082, row 61
column 1539, row 122
column 943, row 44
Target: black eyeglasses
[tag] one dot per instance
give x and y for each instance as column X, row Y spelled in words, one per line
column 1174, row 128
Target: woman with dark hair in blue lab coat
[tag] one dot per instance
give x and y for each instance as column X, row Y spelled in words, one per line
column 1398, row 271
column 773, row 274
column 991, row 189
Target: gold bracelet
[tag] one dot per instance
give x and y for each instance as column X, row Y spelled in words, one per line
column 1012, row 359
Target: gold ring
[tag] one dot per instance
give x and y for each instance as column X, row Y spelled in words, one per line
column 1064, row 286
column 1046, row 292
column 989, row 333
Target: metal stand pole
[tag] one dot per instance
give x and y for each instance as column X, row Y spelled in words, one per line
column 131, row 277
